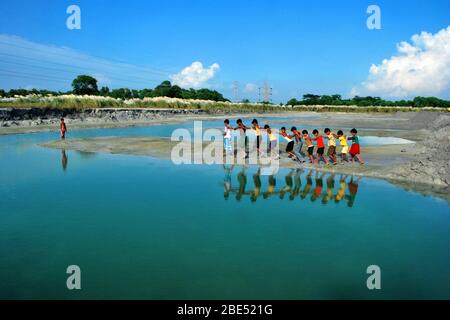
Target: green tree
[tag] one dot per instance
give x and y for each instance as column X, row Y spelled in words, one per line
column 175, row 92
column 122, row 93
column 104, row 91
column 84, row 84
column 163, row 90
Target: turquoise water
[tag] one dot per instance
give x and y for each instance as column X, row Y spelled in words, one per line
column 140, row 227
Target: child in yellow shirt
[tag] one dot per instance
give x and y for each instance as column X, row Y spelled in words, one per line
column 343, row 143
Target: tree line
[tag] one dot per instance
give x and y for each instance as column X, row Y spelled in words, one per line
column 336, row 100
column 87, row 85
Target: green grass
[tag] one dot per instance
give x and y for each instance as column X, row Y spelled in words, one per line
column 89, row 102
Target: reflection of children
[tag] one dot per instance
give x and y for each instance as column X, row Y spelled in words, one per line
column 242, row 179
column 227, row 181
column 257, row 182
column 355, row 149
column 227, row 136
column 308, row 186
column 297, row 184
column 309, row 145
column 330, row 190
column 353, row 190
column 341, row 191
column 343, row 143
column 289, row 184
column 319, row 187
column 331, row 145
column 63, row 128
column 290, row 144
column 271, row 188
column 320, row 147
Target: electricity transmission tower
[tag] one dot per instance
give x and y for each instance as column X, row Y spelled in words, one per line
column 267, row 92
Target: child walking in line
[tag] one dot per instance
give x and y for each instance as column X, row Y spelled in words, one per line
column 320, row 147
column 273, row 142
column 298, row 143
column 63, row 129
column 257, row 129
column 355, row 149
column 309, row 145
column 242, row 142
column 331, row 145
column 227, row 136
column 290, row 144
column 343, row 143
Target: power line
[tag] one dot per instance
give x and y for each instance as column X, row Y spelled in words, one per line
column 134, row 79
column 99, row 60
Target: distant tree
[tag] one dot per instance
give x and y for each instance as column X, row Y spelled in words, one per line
column 293, row 102
column 104, row 91
column 163, row 90
column 2, row 93
column 245, row 101
column 175, row 92
column 135, row 94
column 122, row 93
column 84, row 84
column 146, row 93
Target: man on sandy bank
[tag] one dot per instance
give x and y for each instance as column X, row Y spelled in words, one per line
column 62, row 129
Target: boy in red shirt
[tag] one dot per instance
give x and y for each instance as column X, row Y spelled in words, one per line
column 320, row 147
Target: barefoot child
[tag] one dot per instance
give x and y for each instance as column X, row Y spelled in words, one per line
column 257, row 129
column 63, row 129
column 309, row 145
column 242, row 142
column 227, row 136
column 273, row 142
column 298, row 145
column 355, row 150
column 320, row 147
column 343, row 143
column 331, row 145
column 290, row 144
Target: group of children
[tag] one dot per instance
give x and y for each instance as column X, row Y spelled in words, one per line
column 295, row 140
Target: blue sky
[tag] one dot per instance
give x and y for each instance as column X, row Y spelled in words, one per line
column 299, row 47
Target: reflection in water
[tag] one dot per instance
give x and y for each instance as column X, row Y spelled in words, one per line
column 64, row 159
column 337, row 188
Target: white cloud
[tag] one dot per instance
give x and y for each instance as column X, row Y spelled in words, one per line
column 421, row 67
column 250, row 88
column 195, row 75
